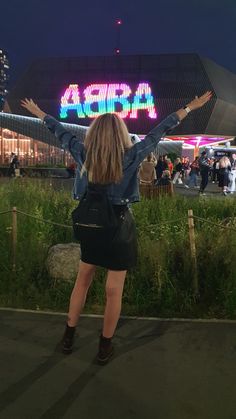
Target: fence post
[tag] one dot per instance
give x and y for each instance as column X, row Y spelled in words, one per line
column 193, row 251
column 14, row 237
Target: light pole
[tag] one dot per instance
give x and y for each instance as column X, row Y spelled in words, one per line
column 118, row 30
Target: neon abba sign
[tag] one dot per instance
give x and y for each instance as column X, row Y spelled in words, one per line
column 112, row 98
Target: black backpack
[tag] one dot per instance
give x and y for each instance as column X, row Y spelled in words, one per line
column 94, row 215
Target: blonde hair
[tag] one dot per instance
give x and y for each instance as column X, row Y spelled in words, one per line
column 224, row 162
column 105, row 144
column 150, row 157
column 166, row 173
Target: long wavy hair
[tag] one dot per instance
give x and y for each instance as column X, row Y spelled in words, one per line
column 224, row 162
column 106, row 141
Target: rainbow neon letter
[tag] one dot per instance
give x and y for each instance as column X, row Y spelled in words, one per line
column 72, row 92
column 95, row 96
column 119, row 93
column 143, row 99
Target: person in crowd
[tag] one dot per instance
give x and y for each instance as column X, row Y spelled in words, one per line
column 165, row 162
column 159, row 167
column 193, row 174
column 165, row 179
column 186, row 167
column 210, row 161
column 14, row 165
column 170, row 166
column 152, row 158
column 178, row 171
column 204, row 166
column 232, row 174
column 11, row 171
column 215, row 171
column 71, row 170
column 147, row 172
column 108, row 160
column 224, row 171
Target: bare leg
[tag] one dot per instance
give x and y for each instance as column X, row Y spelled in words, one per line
column 114, row 290
column 79, row 293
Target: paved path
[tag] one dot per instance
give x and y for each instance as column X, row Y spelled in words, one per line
column 212, row 191
column 162, row 369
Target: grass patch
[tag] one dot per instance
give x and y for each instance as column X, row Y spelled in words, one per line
column 161, row 283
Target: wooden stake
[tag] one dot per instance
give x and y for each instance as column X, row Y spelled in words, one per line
column 193, row 251
column 14, row 237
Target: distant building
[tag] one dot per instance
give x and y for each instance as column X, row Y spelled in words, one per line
column 4, row 76
column 141, row 89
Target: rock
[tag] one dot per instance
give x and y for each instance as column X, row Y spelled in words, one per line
column 63, row 261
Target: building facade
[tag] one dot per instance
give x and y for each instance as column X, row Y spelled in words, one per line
column 142, row 89
column 4, row 77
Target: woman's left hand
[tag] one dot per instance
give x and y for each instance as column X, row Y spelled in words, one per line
column 198, row 102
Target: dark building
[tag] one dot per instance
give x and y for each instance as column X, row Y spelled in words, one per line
column 173, row 81
column 142, row 89
column 4, row 77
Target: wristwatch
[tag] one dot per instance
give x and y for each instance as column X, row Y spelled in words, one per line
column 187, row 109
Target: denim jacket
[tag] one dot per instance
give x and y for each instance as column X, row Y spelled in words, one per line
column 127, row 191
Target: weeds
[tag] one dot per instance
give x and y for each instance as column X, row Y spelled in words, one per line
column 161, row 285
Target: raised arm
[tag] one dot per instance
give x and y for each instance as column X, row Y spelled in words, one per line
column 142, row 149
column 68, row 140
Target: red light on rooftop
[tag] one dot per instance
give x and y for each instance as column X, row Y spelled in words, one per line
column 119, row 22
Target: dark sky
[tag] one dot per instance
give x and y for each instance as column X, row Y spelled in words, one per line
column 38, row 28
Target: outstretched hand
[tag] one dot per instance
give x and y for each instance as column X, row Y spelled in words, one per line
column 198, row 102
column 33, row 108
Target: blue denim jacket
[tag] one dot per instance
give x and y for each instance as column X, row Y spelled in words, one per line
column 127, row 191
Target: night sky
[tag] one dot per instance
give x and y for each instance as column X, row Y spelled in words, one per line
column 42, row 28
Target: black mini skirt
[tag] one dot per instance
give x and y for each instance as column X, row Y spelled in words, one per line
column 119, row 251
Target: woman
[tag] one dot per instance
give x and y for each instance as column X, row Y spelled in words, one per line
column 108, row 158
column 194, row 170
column 224, row 171
column 159, row 167
column 147, row 172
column 178, row 169
column 165, row 179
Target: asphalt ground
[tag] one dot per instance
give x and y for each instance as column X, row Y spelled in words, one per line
column 161, row 369
column 212, row 191
column 164, row 369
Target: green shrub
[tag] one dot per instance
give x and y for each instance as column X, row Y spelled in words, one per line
column 161, row 285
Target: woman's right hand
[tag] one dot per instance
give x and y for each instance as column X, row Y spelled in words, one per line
column 33, row 108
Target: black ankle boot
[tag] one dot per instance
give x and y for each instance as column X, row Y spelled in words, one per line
column 105, row 351
column 68, row 340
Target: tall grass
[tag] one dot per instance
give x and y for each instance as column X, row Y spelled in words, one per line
column 161, row 285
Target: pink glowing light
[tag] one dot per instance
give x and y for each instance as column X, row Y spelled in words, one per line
column 198, row 140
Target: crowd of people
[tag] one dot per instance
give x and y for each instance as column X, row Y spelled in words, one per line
column 195, row 174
